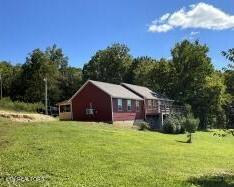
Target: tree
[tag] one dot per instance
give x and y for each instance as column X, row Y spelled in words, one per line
column 141, row 70
column 57, row 56
column 190, row 125
column 160, row 77
column 109, row 65
column 29, row 86
column 230, row 56
column 70, row 82
column 229, row 81
column 7, row 72
column 190, row 68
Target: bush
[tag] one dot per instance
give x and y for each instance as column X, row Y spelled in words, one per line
column 143, row 126
column 174, row 124
column 8, row 104
column 191, row 124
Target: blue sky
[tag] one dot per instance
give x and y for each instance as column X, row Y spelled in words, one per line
column 81, row 28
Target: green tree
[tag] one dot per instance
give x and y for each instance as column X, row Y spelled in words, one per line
column 29, row 86
column 160, row 77
column 190, row 68
column 190, row 125
column 230, row 56
column 7, row 72
column 229, row 81
column 141, row 70
column 70, row 82
column 109, row 65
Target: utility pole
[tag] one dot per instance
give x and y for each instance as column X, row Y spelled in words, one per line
column 1, row 85
column 46, row 100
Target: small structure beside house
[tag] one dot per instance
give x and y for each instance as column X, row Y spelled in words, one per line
column 125, row 103
column 65, row 110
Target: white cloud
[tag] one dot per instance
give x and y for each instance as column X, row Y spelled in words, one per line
column 165, row 17
column 160, row 28
column 193, row 33
column 201, row 15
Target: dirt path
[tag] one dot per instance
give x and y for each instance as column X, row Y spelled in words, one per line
column 25, row 117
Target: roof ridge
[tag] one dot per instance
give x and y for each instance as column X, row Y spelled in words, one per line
column 137, row 85
column 113, row 84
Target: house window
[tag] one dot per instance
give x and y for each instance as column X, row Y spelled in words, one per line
column 129, row 103
column 150, row 104
column 120, row 104
column 154, row 103
column 137, row 106
column 65, row 108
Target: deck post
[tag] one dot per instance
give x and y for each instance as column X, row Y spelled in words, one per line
column 161, row 119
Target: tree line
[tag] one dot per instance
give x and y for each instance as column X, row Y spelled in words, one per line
column 189, row 77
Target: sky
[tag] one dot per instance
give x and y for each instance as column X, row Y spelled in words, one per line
column 81, row 27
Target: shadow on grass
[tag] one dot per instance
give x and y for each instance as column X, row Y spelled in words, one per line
column 180, row 141
column 221, row 180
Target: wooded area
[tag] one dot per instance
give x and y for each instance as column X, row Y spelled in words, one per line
column 189, row 78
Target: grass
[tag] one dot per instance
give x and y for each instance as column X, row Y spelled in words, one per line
column 7, row 104
column 84, row 154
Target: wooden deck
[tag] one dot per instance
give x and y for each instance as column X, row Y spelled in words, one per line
column 165, row 109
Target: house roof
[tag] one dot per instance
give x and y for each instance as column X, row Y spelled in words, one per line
column 145, row 92
column 66, row 102
column 114, row 90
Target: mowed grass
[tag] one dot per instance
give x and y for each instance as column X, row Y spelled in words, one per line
column 86, row 154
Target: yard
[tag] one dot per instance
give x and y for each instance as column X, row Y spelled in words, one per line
column 86, row 154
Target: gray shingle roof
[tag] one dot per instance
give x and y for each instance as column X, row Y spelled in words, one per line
column 145, row 92
column 116, row 91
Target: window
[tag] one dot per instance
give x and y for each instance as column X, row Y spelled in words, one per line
column 120, row 104
column 137, row 106
column 65, row 108
column 129, row 104
column 150, row 104
column 154, row 103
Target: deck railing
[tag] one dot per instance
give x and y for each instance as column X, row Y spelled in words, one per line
column 167, row 109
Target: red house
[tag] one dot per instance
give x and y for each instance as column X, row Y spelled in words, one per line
column 100, row 101
column 103, row 102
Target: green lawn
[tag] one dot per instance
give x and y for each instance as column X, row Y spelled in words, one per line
column 82, row 154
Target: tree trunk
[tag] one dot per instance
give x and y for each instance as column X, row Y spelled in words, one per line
column 189, row 138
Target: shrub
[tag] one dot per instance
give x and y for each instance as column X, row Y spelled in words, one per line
column 8, row 104
column 190, row 125
column 174, row 124
column 143, row 126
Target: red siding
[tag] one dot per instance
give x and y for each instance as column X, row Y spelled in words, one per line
column 127, row 115
column 100, row 101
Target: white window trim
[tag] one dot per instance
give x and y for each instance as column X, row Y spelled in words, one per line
column 130, row 105
column 120, row 105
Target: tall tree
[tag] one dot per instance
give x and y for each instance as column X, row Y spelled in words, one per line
column 7, row 74
column 109, row 65
column 230, row 56
column 160, row 77
column 190, row 67
column 141, row 70
column 50, row 64
column 70, row 82
column 229, row 80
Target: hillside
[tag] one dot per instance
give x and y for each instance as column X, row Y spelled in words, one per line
column 88, row 154
column 25, row 117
